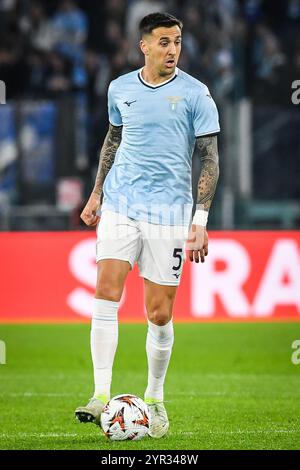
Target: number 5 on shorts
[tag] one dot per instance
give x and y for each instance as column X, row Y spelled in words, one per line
column 177, row 253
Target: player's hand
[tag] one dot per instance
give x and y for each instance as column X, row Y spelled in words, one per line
column 89, row 213
column 197, row 243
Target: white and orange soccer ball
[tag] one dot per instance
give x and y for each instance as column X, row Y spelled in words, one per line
column 125, row 417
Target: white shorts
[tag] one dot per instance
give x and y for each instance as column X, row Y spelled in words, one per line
column 159, row 250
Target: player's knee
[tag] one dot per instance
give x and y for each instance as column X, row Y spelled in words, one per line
column 108, row 291
column 159, row 316
column 160, row 308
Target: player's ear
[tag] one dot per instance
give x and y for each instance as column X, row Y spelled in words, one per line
column 144, row 47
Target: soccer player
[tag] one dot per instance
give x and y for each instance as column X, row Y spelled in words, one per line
column 143, row 187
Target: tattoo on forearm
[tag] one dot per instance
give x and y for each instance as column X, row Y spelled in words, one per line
column 107, row 156
column 209, row 175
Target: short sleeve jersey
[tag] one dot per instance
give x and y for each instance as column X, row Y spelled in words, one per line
column 150, row 179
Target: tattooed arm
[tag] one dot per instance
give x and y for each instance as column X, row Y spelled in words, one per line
column 107, row 157
column 209, row 175
column 198, row 239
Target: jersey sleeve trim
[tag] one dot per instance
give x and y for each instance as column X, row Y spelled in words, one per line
column 212, row 133
column 115, row 125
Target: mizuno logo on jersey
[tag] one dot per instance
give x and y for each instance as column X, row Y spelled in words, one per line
column 129, row 102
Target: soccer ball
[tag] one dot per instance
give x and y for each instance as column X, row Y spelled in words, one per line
column 125, row 417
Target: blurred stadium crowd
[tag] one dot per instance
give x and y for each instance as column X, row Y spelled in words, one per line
column 52, row 47
column 60, row 49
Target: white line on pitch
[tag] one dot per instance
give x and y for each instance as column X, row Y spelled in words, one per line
column 240, row 431
column 42, row 435
column 34, row 394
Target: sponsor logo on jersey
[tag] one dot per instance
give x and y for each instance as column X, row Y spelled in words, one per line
column 129, row 102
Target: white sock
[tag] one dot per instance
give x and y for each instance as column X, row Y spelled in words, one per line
column 159, row 347
column 104, row 341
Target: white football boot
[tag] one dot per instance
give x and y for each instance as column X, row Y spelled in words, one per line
column 158, row 420
column 91, row 412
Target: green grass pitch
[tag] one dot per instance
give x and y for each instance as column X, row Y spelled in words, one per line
column 229, row 386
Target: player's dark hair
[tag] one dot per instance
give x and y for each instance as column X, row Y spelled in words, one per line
column 157, row 20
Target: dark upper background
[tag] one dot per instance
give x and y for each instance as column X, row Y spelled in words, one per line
column 58, row 57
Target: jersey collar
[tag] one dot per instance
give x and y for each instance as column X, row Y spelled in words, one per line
column 159, row 84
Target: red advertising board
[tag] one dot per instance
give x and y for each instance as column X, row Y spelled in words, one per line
column 247, row 276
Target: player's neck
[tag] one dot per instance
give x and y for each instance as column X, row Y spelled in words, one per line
column 152, row 77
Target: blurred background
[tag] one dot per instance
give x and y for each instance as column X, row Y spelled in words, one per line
column 57, row 59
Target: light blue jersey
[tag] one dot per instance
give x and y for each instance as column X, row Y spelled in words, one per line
column 150, row 179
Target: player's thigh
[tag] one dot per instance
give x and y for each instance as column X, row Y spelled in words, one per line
column 163, row 254
column 159, row 301
column 111, row 277
column 118, row 246
column 118, row 237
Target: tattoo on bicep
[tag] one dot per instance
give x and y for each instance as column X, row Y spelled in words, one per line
column 209, row 174
column 107, row 155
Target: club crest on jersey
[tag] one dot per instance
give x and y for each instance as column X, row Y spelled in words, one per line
column 174, row 100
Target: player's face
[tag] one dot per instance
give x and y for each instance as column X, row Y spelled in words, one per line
column 162, row 49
